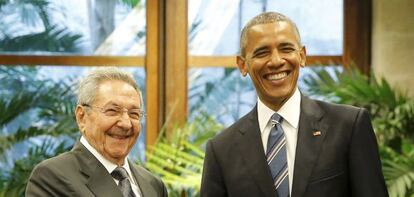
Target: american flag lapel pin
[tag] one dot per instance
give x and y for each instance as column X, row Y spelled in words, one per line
column 317, row 133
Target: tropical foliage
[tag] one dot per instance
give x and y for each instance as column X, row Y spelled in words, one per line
column 36, row 118
column 29, row 26
column 179, row 159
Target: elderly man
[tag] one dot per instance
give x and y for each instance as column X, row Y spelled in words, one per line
column 108, row 114
column 290, row 145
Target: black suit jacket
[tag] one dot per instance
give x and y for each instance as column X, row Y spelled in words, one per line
column 79, row 173
column 343, row 161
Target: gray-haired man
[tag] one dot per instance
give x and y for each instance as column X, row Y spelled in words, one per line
column 108, row 113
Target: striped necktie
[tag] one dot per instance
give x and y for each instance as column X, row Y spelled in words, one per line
column 276, row 156
column 124, row 185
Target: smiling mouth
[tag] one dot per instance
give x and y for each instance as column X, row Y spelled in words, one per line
column 119, row 137
column 277, row 76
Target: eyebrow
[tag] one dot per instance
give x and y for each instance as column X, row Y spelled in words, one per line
column 111, row 103
column 283, row 44
column 260, row 49
column 287, row 44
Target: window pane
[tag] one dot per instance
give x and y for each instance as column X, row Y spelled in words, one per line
column 39, row 103
column 320, row 23
column 81, row 27
column 221, row 93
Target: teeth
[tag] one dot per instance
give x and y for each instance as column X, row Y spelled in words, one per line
column 118, row 136
column 277, row 76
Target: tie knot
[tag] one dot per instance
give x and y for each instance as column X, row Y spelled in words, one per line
column 276, row 119
column 119, row 173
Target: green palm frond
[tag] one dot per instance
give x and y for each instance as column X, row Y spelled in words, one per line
column 54, row 39
column 31, row 108
column 50, row 102
column 18, row 104
column 13, row 182
column 392, row 112
column 131, row 3
column 179, row 169
column 401, row 179
column 352, row 87
column 7, row 141
column 395, row 123
column 179, row 159
column 399, row 172
column 65, row 127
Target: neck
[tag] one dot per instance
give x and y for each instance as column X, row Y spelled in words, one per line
column 275, row 105
column 117, row 161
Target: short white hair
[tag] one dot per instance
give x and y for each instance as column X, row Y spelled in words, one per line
column 88, row 86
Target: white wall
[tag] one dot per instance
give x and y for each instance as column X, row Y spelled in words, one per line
column 393, row 42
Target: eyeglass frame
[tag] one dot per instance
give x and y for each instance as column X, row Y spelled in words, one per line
column 141, row 113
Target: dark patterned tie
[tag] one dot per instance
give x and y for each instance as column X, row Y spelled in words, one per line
column 276, row 156
column 124, row 185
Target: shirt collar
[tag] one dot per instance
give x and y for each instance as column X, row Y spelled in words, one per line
column 290, row 111
column 109, row 166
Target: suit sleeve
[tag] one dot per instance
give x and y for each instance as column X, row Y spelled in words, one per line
column 366, row 175
column 164, row 189
column 212, row 184
column 43, row 182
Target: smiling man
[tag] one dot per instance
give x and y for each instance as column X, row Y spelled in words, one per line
column 109, row 114
column 290, row 145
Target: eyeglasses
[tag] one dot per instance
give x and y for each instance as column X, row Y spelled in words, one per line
column 116, row 111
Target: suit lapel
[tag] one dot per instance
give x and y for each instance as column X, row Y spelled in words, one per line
column 251, row 150
column 311, row 134
column 100, row 181
column 101, row 184
column 143, row 184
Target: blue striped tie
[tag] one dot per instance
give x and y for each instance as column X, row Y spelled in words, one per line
column 276, row 156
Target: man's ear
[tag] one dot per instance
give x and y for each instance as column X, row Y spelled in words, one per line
column 242, row 64
column 302, row 56
column 80, row 114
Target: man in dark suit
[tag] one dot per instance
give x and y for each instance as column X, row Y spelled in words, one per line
column 108, row 114
column 290, row 145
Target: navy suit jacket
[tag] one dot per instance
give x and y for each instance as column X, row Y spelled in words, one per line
column 342, row 161
column 79, row 173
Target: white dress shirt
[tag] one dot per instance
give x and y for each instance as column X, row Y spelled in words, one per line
column 290, row 112
column 109, row 166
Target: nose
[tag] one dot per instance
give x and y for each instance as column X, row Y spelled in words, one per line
column 125, row 121
column 276, row 59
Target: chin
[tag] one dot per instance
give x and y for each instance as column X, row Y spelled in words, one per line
column 118, row 152
column 279, row 95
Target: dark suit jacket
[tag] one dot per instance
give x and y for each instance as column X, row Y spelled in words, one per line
column 79, row 173
column 342, row 161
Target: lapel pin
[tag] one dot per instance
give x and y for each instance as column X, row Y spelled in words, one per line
column 317, row 133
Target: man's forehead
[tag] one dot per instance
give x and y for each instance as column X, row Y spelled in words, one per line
column 267, row 26
column 110, row 93
column 282, row 28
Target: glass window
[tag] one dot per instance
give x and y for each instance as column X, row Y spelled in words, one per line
column 320, row 23
column 81, row 27
column 220, row 92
